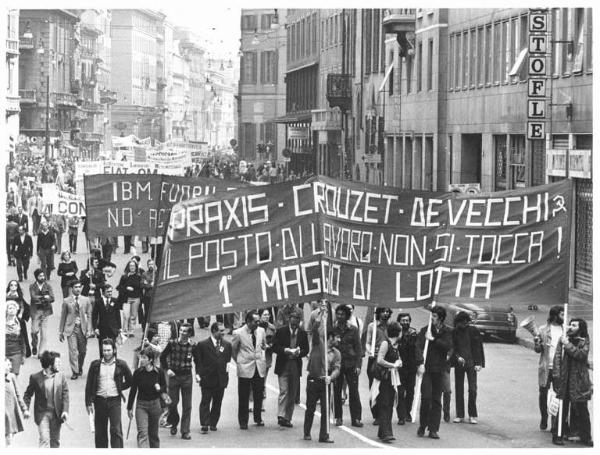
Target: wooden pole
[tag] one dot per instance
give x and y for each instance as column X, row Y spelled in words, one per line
column 560, row 404
column 327, row 417
column 374, row 334
column 417, row 396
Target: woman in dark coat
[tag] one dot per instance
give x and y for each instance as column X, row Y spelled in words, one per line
column 67, row 271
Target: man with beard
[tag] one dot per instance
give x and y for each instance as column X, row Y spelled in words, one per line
column 440, row 342
column 46, row 246
column 51, row 404
column 107, row 378
column 382, row 317
column 411, row 357
column 545, row 344
column 42, row 297
column 572, row 380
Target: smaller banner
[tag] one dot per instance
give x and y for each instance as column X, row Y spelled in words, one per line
column 57, row 202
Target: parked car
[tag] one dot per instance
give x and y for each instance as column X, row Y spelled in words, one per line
column 489, row 318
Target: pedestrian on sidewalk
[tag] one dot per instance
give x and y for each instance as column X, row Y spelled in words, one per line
column 107, row 378
column 50, row 391
column 76, row 326
column 211, row 357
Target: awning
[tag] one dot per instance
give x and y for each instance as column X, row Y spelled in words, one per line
column 297, row 117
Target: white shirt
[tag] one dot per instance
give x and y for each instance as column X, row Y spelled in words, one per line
column 556, row 332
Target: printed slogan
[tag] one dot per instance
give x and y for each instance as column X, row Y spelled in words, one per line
column 351, row 243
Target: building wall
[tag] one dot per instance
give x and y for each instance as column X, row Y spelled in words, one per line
column 12, row 78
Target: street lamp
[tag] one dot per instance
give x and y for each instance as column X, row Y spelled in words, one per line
column 40, row 52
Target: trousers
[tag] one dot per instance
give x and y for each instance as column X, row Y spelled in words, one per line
column 257, row 384
column 352, row 380
column 108, row 411
column 288, row 386
column 431, row 401
column 77, row 342
column 459, row 384
column 147, row 416
column 39, row 331
column 316, row 391
column 49, row 430
column 210, row 414
column 181, row 384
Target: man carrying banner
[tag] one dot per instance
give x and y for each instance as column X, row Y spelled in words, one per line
column 351, row 351
column 211, row 357
column 440, row 342
column 249, row 344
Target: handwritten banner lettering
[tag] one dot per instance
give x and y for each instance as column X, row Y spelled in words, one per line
column 353, row 243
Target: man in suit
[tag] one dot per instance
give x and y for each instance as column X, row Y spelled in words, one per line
column 75, row 324
column 11, row 231
column 35, row 206
column 290, row 344
column 249, row 344
column 22, row 219
column 22, row 251
column 42, row 296
column 211, row 357
column 46, row 246
column 51, row 405
column 106, row 317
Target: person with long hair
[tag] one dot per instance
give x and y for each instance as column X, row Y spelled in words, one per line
column 67, row 271
column 14, row 406
column 16, row 341
column 15, row 292
column 148, row 385
column 130, row 294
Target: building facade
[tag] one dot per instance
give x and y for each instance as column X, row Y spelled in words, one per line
column 261, row 91
column 12, row 79
column 459, row 93
column 48, row 88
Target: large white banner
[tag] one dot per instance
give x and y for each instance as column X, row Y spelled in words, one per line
column 57, row 202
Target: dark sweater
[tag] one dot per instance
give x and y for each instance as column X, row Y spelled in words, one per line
column 143, row 384
column 135, row 281
column 63, row 269
column 468, row 345
column 45, row 241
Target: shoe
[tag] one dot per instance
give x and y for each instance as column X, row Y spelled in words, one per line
column 421, row 432
column 557, row 440
column 458, row 420
column 204, row 430
column 286, row 423
column 473, row 420
column 446, row 417
column 213, row 428
column 173, row 430
column 338, row 422
column 244, row 427
column 387, row 439
column 357, row 423
column 408, row 418
column 297, row 402
column 260, row 423
column 376, row 422
column 307, row 437
column 186, row 436
column 166, row 424
column 543, row 424
column 401, row 421
column 33, row 350
column 434, row 435
column 327, row 441
column 75, row 376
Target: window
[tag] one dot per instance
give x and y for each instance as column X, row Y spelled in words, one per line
column 457, row 61
column 248, row 140
column 268, row 67
column 376, row 41
column 301, row 38
column 367, row 37
column 398, row 71
column 419, row 66
column 265, row 21
column 409, row 65
column 578, row 39
column 588, row 41
column 517, row 161
column 248, row 73
column 465, row 60
column 289, row 46
column 430, row 64
column 488, row 56
column 505, row 53
column 249, row 22
column 481, row 57
column 498, row 61
column 500, row 162
column 314, row 34
column 473, row 58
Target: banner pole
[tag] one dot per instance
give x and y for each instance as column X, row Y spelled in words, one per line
column 374, row 335
column 417, row 393
column 562, row 354
column 327, row 417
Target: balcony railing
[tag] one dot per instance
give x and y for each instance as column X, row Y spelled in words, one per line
column 27, row 97
column 12, row 47
column 399, row 20
column 65, row 99
column 88, row 52
column 108, row 96
column 12, row 104
column 90, row 106
column 326, row 119
column 25, row 43
column 339, row 90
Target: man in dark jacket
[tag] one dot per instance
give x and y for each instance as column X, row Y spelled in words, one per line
column 440, row 342
column 468, row 358
column 107, row 378
column 211, row 357
column 291, row 345
column 106, row 317
column 351, row 350
column 46, row 246
column 22, row 251
column 572, row 380
column 411, row 357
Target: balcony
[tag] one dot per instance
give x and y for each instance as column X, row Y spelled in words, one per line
column 75, row 86
column 65, row 100
column 88, row 52
column 91, row 137
column 108, row 96
column 12, row 105
column 90, row 106
column 26, row 43
column 91, row 27
column 12, row 47
column 339, row 90
column 326, row 119
column 399, row 21
column 27, row 97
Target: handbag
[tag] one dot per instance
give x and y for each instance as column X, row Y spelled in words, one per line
column 553, row 403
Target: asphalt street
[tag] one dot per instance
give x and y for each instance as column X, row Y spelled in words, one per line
column 507, row 400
